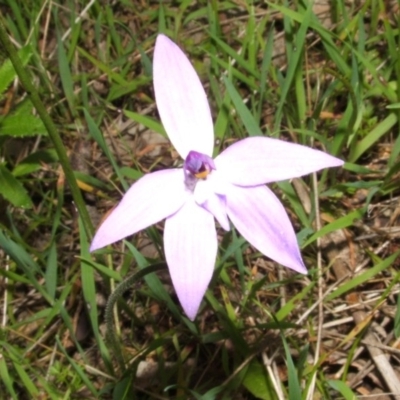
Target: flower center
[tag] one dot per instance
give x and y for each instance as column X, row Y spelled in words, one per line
column 197, row 166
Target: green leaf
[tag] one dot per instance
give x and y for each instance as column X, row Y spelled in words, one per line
column 16, row 126
column 22, row 122
column 148, row 122
column 131, row 173
column 34, row 162
column 7, row 72
column 256, row 382
column 12, row 190
column 397, row 319
column 117, row 90
column 25, row 379
column 210, row 395
column 292, row 303
column 102, row 269
column 294, row 384
column 343, row 389
column 394, row 106
column 222, row 121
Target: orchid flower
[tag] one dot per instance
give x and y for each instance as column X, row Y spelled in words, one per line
column 229, row 187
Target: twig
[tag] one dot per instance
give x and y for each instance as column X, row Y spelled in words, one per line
column 320, row 284
column 5, row 303
column 272, row 375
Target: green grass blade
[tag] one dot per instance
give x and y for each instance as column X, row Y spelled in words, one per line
column 363, row 277
column 97, row 135
column 343, row 389
column 294, row 384
column 65, row 75
column 6, row 379
column 89, row 293
column 51, row 273
column 79, row 370
column 147, row 121
column 373, row 137
column 247, row 118
column 340, row 223
column 294, row 58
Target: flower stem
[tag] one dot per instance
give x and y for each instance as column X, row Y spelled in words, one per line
column 50, row 127
column 118, row 293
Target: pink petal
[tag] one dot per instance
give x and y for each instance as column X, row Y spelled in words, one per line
column 206, row 196
column 181, row 100
column 216, row 205
column 262, row 220
column 190, row 242
column 258, row 160
column 152, row 198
